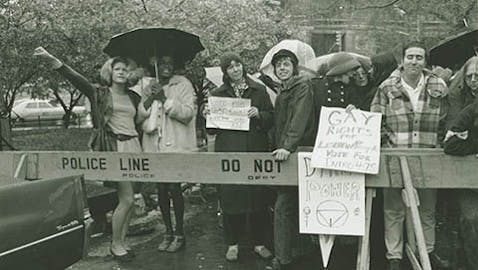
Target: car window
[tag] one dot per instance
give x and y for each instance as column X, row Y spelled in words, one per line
column 32, row 105
column 44, row 105
column 18, row 102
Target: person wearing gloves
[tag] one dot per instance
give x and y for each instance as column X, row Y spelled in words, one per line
column 116, row 113
column 170, row 128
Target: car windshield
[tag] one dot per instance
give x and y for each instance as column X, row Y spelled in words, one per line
column 18, row 102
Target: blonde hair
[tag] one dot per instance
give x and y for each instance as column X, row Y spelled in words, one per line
column 107, row 69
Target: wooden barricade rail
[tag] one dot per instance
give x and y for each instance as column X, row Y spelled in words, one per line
column 429, row 168
column 399, row 168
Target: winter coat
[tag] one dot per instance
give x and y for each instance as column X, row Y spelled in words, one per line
column 176, row 124
column 459, row 96
column 466, row 120
column 382, row 66
column 254, row 140
column 295, row 120
column 237, row 199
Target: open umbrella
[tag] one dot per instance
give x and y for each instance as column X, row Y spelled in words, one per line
column 302, row 50
column 455, row 50
column 142, row 43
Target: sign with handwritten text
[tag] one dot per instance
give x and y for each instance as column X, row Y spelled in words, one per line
column 330, row 201
column 228, row 113
column 348, row 141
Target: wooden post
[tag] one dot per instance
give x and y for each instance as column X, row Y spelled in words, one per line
column 363, row 255
column 32, row 172
column 411, row 200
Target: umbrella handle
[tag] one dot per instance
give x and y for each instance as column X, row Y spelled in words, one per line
column 156, row 69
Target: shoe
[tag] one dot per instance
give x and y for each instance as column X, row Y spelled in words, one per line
column 178, row 242
column 263, row 252
column 438, row 263
column 167, row 240
column 131, row 252
column 121, row 258
column 277, row 265
column 232, row 253
column 394, row 264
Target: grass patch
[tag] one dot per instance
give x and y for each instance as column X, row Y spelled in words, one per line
column 73, row 139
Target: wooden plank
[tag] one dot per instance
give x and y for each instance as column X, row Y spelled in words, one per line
column 363, row 254
column 431, row 168
column 412, row 258
column 413, row 204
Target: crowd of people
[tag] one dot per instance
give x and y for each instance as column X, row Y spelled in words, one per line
column 420, row 109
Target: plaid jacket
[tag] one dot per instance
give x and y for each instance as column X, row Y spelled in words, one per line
column 401, row 126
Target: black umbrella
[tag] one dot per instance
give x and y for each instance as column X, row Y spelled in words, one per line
column 142, row 43
column 455, row 50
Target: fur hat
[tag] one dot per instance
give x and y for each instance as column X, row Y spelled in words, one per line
column 341, row 63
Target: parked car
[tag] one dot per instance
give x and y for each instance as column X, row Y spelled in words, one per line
column 44, row 224
column 38, row 109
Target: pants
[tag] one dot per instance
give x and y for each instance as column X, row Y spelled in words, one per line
column 235, row 226
column 468, row 204
column 289, row 244
column 394, row 215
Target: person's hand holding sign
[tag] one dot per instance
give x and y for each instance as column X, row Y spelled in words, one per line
column 253, row 112
column 205, row 111
column 349, row 108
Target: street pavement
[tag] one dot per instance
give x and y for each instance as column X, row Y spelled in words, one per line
column 205, row 249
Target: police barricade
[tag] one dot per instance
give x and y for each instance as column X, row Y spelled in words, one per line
column 399, row 168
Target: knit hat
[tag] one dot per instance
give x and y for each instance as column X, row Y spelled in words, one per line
column 226, row 60
column 285, row 53
column 341, row 63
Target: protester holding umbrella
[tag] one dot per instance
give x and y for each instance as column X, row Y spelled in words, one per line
column 295, row 125
column 115, row 111
column 243, row 202
column 171, row 127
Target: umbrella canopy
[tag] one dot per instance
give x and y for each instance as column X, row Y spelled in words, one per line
column 214, row 75
column 142, row 43
column 302, row 50
column 453, row 51
column 319, row 64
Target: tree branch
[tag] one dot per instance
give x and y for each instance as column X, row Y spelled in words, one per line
column 144, row 6
column 176, row 6
column 57, row 95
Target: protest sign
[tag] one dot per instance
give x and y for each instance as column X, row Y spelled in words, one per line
column 228, row 113
column 348, row 141
column 330, row 202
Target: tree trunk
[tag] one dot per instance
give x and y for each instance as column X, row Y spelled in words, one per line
column 67, row 119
